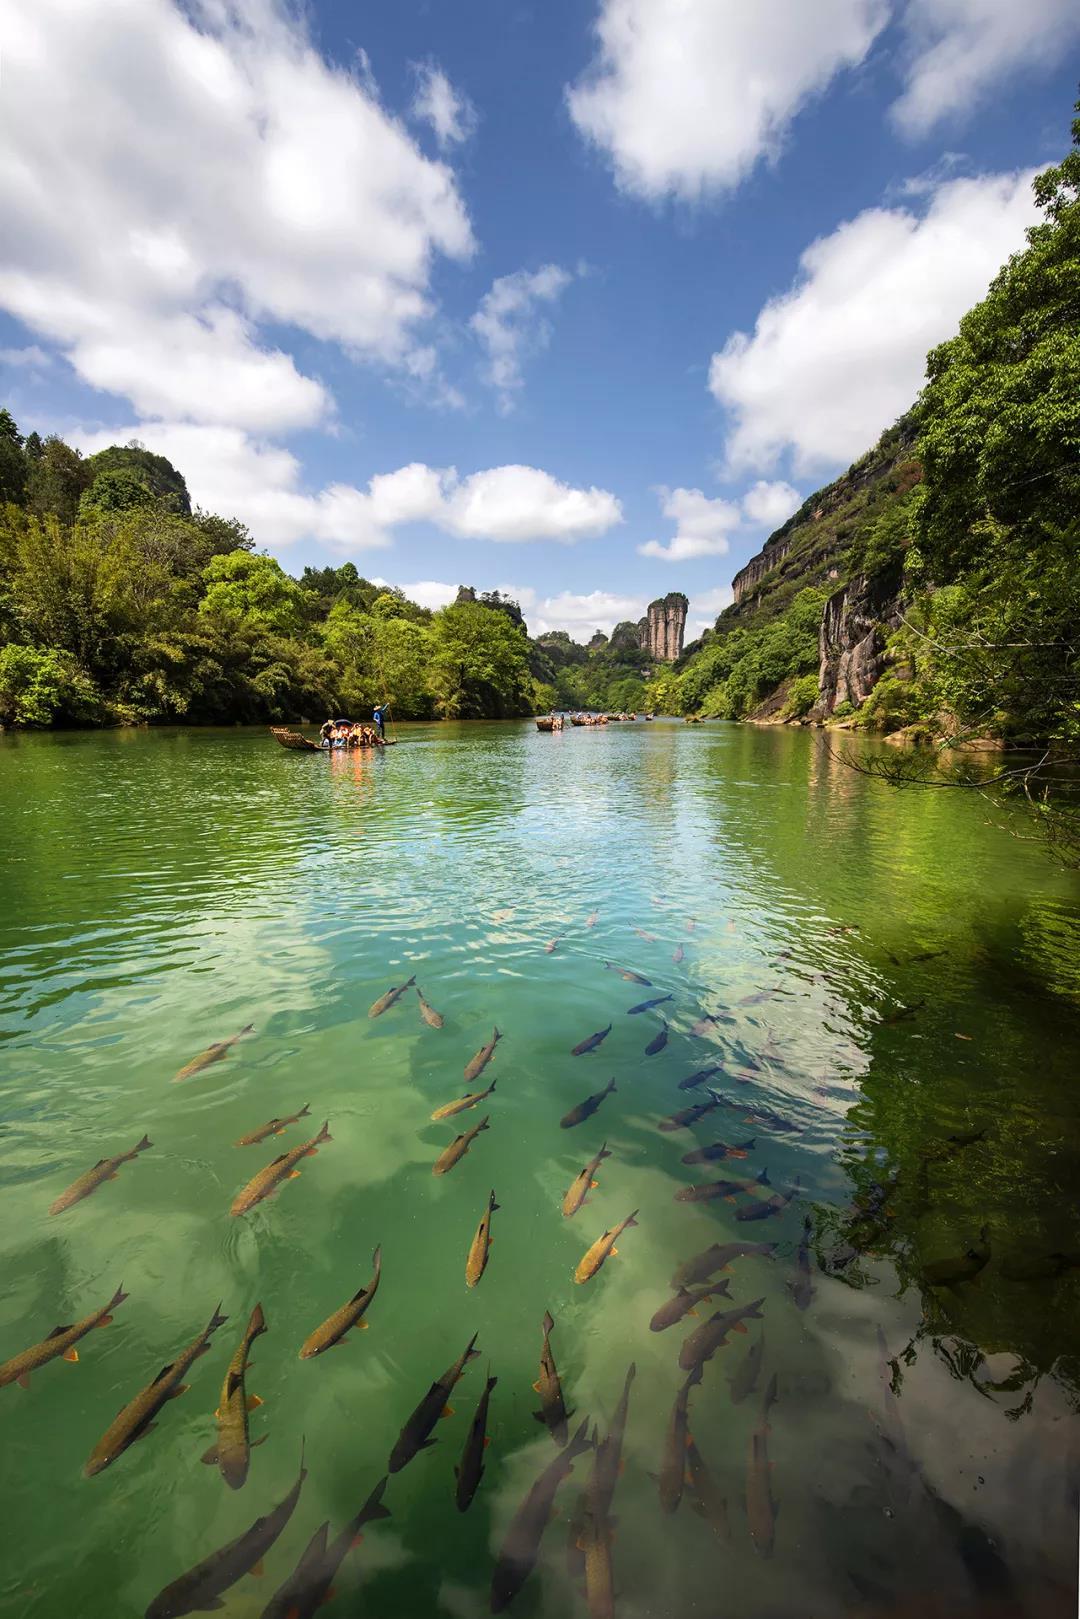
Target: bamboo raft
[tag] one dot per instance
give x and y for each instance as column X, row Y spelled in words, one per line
column 304, row 744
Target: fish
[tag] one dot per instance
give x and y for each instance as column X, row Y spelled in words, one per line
column 658, row 1041
column 415, row 1436
column 760, row 1506
column 272, row 1127
column 650, row 938
column 961, row 1268
column 705, row 1497
column 744, row 1379
column 771, row 1205
column 678, row 955
column 705, row 1191
column 552, row 1413
column 586, row 1109
column 137, row 1417
column 601, row 1249
column 672, row 1474
column 270, row 1180
column 231, row 1451
column 433, row 1019
column 608, row 1462
column 700, row 1077
column 591, row 1043
column 631, row 977
column 904, row 1012
column 105, row 1169
column 592, row 919
column 476, row 1065
column 463, row 1102
column 314, row 1587
column 553, row 944
column 211, row 1055
column 1039, row 1267
column 583, row 1183
column 771, row 1121
column 60, row 1343
column 685, row 1303
column 393, row 995
column 336, row 1327
column 471, row 1468
column 718, row 1256
column 800, row 1284
column 690, row 1115
column 202, row 1587
column 704, row 1024
column 647, row 1006
column 502, row 916
column 458, row 1147
column 594, row 1541
column 718, row 1150
column 480, row 1247
column 704, row 1341
column 521, row 1544
column 286, row 1600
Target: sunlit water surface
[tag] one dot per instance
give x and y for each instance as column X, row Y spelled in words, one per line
column 159, row 891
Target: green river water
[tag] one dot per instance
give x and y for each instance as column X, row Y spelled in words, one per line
column 161, row 890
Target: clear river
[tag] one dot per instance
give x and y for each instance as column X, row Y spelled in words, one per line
column 873, row 995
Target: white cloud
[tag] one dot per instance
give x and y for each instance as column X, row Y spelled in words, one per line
column 508, row 327
column 958, row 49
column 685, row 96
column 837, row 358
column 582, row 615
column 229, row 472
column 770, row 504
column 451, row 115
column 702, row 526
column 425, row 592
column 221, row 177
column 30, row 358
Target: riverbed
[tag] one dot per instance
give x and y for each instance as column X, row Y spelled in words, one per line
column 886, row 988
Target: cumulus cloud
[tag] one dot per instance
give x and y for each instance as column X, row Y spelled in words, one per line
column 770, row 504
column 833, row 361
column 451, row 115
column 30, row 358
column 509, row 328
column 958, row 49
column 222, row 177
column 702, row 526
column 230, row 472
column 704, row 608
column 686, row 99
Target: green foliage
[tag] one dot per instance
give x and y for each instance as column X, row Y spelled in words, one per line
column 801, row 697
column 156, row 475
column 13, row 465
column 734, row 672
column 243, row 586
column 40, row 687
column 56, row 480
column 479, row 666
column 114, row 491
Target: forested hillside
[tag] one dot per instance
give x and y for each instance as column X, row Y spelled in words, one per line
column 936, row 586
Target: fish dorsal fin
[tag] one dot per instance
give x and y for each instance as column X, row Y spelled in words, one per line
column 164, row 1372
column 232, row 1383
column 57, row 1331
column 281, row 1157
column 100, row 1162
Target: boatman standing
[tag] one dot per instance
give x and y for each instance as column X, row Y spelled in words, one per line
column 378, row 718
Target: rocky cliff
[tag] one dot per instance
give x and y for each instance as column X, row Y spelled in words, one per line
column 854, row 624
column 661, row 631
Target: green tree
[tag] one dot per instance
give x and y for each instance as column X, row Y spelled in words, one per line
column 12, row 461
column 39, row 687
column 479, row 667
column 242, row 585
column 56, row 481
column 114, row 491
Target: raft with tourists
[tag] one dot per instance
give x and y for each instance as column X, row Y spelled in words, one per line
column 336, row 736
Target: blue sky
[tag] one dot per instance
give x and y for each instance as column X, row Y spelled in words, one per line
column 579, row 300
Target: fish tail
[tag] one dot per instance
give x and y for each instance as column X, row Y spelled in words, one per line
column 304, row 1111
column 407, row 985
column 603, row 1153
column 770, row 1395
column 611, row 1086
column 548, row 1323
column 216, row 1320
column 580, row 1442
column 118, row 1297
column 483, row 1125
column 249, row 1028
column 143, row 1144
column 373, row 1507
column 696, row 1375
column 376, row 1259
column 471, row 1351
column 495, row 1035
column 257, row 1324
column 324, row 1133
column 763, row 1178
column 491, row 1087
column 630, row 1220
column 492, row 1205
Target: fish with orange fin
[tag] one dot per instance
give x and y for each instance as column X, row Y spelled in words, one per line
column 605, row 1475
column 583, row 1183
column 717, row 1150
column 647, row 1006
column 212, row 1054
column 602, row 1249
column 337, row 1326
column 630, row 976
column 760, row 1506
column 771, row 1205
column 59, row 1344
column 800, row 1284
column 585, row 1109
column 718, row 1256
column 686, row 1116
column 273, row 1127
column 480, row 1247
column 105, row 1169
column 703, row 1343
column 678, row 954
column 471, row 1468
column 521, row 1546
column 231, row 1451
column 552, row 1413
column 137, row 1417
column 310, row 1590
column 553, row 944
column 476, row 1065
column 459, row 1147
column 699, row 1078
column 672, row 1476
column 463, row 1103
column 592, row 919
column 415, row 1436
column 203, row 1586
column 684, row 1302
column 391, row 997
column 270, row 1180
column 285, row 1602
column 744, row 1379
column 706, row 1191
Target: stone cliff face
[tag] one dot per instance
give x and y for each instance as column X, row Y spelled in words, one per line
column 854, row 624
column 768, row 557
column 661, row 632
